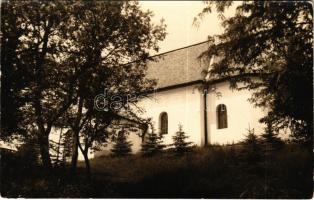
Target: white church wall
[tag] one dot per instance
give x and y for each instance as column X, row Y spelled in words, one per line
column 183, row 106
column 241, row 115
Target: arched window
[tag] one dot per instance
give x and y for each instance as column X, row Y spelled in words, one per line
column 222, row 116
column 163, row 126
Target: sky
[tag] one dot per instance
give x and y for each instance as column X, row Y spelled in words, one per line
column 178, row 16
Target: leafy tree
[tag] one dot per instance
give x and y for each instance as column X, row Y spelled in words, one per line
column 36, row 63
column 94, row 135
column 121, row 147
column 104, row 47
column 180, row 144
column 152, row 144
column 12, row 78
column 67, row 53
column 268, row 47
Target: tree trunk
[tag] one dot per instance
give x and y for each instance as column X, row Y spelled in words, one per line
column 44, row 151
column 87, row 164
column 75, row 138
column 74, row 157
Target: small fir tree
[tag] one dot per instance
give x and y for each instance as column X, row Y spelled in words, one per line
column 121, row 147
column 152, row 144
column 251, row 151
column 180, row 144
column 270, row 140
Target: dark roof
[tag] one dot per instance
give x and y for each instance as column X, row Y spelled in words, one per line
column 178, row 66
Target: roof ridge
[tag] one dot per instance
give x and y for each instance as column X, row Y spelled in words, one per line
column 131, row 62
column 191, row 45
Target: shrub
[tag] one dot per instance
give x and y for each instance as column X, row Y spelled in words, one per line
column 28, row 153
column 152, row 144
column 180, row 144
column 252, row 148
column 121, row 147
column 270, row 140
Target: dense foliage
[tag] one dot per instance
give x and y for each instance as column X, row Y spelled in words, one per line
column 180, row 144
column 121, row 146
column 267, row 47
column 57, row 56
column 152, row 144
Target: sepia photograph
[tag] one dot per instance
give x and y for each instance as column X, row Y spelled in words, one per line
column 156, row 99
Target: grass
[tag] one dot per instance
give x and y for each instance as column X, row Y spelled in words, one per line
column 215, row 172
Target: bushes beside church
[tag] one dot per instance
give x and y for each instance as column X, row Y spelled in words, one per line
column 153, row 143
column 180, row 144
column 121, row 146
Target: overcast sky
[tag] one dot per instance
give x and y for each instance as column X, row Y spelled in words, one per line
column 178, row 16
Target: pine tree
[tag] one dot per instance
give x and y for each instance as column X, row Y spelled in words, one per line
column 251, row 151
column 152, row 145
column 121, row 147
column 270, row 140
column 180, row 144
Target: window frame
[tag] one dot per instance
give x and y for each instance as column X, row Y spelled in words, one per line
column 163, row 123
column 222, row 116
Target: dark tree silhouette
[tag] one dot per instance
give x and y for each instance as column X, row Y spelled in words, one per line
column 180, row 144
column 251, row 151
column 58, row 55
column 270, row 140
column 268, row 46
column 152, row 144
column 121, row 147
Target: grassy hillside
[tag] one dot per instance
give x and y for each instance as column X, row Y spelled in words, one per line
column 215, row 172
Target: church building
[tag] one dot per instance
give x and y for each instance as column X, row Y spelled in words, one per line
column 209, row 113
